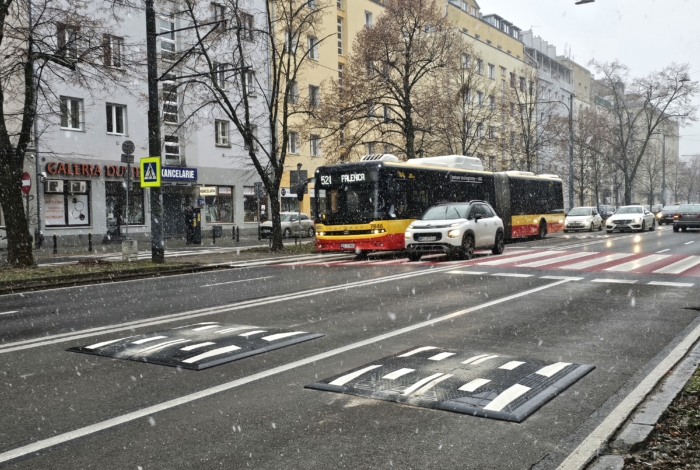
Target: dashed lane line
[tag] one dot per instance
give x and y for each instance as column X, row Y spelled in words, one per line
column 236, row 282
column 151, row 410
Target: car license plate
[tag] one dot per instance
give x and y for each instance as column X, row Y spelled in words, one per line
column 347, row 245
column 428, row 239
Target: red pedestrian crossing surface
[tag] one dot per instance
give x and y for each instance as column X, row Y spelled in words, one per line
column 563, row 260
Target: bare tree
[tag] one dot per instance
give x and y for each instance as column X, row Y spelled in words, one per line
column 689, row 186
column 387, row 91
column 64, row 42
column 639, row 107
column 245, row 66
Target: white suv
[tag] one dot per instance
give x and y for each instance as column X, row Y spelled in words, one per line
column 455, row 228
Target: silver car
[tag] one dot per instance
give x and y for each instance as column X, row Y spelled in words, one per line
column 583, row 218
column 292, row 226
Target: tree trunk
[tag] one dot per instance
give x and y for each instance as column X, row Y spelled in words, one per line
column 276, row 222
column 628, row 190
column 19, row 242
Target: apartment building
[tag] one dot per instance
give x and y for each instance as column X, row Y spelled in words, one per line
column 84, row 187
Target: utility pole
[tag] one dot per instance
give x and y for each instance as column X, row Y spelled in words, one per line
column 154, row 144
column 571, row 151
column 663, row 173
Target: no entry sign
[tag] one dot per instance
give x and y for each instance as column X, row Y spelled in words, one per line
column 26, row 183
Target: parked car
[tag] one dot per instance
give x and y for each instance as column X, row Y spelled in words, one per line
column 455, row 229
column 583, row 218
column 631, row 218
column 605, row 211
column 291, row 226
column 687, row 216
column 666, row 215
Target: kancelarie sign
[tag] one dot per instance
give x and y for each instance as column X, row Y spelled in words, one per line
column 172, row 173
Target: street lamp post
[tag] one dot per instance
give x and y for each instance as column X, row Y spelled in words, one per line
column 571, row 151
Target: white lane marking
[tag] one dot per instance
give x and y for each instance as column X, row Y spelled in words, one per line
column 483, row 359
column 196, row 346
column 398, row 373
column 476, row 273
column 679, row 266
column 213, row 352
column 283, row 335
column 597, row 261
column 147, row 340
column 474, row 358
column 237, row 328
column 562, row 277
column 340, row 381
column 557, row 259
column 208, row 327
column 671, row 284
column 441, row 356
column 517, row 259
column 511, row 365
column 688, row 243
column 164, row 344
column 591, row 445
column 637, row 263
column 615, row 281
column 663, row 251
column 430, row 385
column 512, row 275
column 7, row 313
column 176, row 402
column 507, row 396
column 417, row 350
column 188, row 315
column 234, row 282
column 552, row 369
column 104, row 343
column 473, row 385
column 420, row 383
column 251, row 333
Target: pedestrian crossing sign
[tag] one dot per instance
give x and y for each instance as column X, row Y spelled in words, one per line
column 150, row 172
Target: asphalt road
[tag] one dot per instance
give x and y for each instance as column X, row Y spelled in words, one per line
column 622, row 314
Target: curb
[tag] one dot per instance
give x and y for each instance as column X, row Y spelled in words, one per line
column 637, row 429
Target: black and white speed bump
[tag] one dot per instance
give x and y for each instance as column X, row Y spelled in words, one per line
column 478, row 384
column 197, row 346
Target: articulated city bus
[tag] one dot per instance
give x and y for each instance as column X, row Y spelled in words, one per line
column 366, row 206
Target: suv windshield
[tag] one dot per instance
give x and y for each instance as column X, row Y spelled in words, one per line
column 580, row 211
column 630, row 210
column 288, row 217
column 670, row 208
column 446, row 212
column 690, row 208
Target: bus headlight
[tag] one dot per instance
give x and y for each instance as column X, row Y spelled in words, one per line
column 453, row 233
column 320, row 233
column 407, row 235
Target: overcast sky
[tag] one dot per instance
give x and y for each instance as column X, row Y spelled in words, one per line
column 646, row 35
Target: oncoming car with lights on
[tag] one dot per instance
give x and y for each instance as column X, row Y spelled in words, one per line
column 631, row 218
column 455, row 229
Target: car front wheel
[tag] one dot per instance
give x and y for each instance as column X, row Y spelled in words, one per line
column 287, row 233
column 499, row 244
column 467, row 251
column 653, row 226
column 310, row 232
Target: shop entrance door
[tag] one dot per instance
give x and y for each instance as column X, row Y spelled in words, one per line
column 174, row 214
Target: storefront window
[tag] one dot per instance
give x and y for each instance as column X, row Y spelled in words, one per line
column 115, row 204
column 250, row 204
column 290, row 204
column 219, row 208
column 67, row 203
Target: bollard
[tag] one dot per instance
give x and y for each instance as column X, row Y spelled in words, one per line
column 55, row 242
column 259, row 236
column 89, row 241
column 238, row 234
column 213, row 236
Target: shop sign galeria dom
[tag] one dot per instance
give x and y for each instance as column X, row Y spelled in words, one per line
column 86, row 169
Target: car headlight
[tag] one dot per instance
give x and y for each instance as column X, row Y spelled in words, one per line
column 453, row 233
column 659, row 215
column 637, row 220
column 407, row 235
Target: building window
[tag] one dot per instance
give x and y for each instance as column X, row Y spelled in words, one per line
column 503, row 85
column 480, row 66
column 466, row 61
column 480, row 98
column 67, row 204
column 67, row 41
column 71, row 113
column 248, row 25
column 522, row 83
column 170, row 101
column 386, row 113
column 219, row 208
column 249, row 83
column 512, row 79
column 341, row 70
column 388, row 148
column 340, row 36
column 312, row 44
column 112, row 49
column 492, row 102
column 340, row 4
column 480, row 129
column 492, row 133
column 503, row 71
column 254, row 136
column 293, row 94
column 492, row 71
column 311, row 4
column 167, row 40
column 492, row 163
column 370, row 111
column 171, row 147
column 315, row 145
column 291, row 42
column 218, row 13
column 116, row 119
column 293, row 143
column 219, row 75
column 369, row 19
column 221, row 132
column 314, row 96
column 115, row 205
column 250, row 204
column 369, row 148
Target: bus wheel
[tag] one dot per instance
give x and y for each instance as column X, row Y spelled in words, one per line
column 360, row 255
column 542, row 231
column 498, row 246
column 467, row 251
column 413, row 256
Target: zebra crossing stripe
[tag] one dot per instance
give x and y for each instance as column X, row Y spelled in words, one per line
column 557, row 259
column 637, row 263
column 516, row 259
column 597, row 261
column 679, row 266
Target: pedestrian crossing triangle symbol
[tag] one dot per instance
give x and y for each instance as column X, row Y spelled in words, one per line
column 150, row 173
